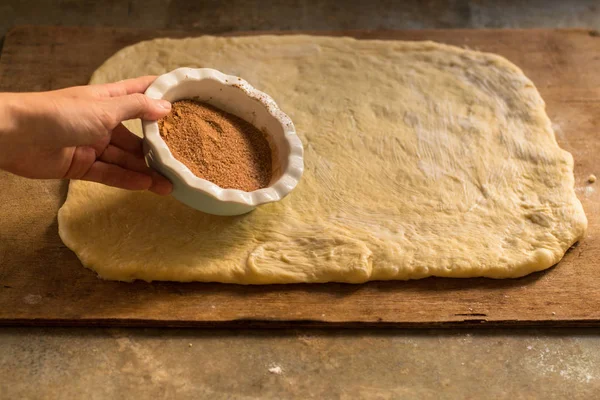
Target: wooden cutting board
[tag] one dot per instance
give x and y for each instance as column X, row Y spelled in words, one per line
column 42, row 282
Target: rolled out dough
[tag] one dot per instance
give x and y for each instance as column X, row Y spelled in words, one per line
column 421, row 159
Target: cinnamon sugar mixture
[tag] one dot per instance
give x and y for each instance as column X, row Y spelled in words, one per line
column 217, row 146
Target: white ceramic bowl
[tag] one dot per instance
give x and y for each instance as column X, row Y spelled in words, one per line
column 238, row 97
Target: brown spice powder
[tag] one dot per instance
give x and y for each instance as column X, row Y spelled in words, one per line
column 217, row 146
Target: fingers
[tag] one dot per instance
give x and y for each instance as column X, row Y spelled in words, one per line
column 129, row 101
column 126, row 140
column 121, row 164
column 116, row 176
column 129, row 86
column 132, row 162
column 123, row 178
column 81, row 160
column 122, row 158
column 138, row 105
column 160, row 184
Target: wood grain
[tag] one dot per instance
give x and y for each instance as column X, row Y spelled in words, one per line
column 42, row 282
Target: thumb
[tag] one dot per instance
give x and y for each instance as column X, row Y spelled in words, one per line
column 139, row 106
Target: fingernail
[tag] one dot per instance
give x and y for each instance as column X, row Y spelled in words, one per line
column 164, row 104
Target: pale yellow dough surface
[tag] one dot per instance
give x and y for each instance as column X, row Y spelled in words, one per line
column 421, row 159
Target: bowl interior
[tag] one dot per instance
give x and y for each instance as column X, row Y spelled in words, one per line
column 236, row 101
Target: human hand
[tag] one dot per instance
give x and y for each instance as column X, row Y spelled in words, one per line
column 76, row 133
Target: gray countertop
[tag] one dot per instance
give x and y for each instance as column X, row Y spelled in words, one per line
column 274, row 364
column 103, row 363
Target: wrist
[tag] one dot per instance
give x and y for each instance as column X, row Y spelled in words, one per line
column 8, row 117
column 25, row 119
column 9, row 135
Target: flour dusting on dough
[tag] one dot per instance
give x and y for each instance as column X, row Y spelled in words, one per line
column 276, row 369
